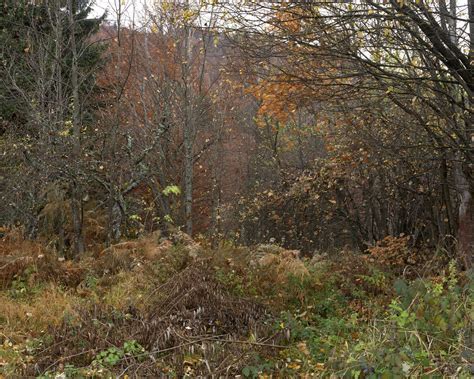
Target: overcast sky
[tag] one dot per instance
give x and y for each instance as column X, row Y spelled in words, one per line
column 130, row 8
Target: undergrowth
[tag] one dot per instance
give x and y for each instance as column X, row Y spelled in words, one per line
column 142, row 310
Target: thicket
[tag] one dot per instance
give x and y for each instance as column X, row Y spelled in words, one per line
column 176, row 308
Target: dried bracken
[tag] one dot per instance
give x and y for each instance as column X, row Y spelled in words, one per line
column 191, row 313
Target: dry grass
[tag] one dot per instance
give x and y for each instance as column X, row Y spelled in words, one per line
column 17, row 255
column 163, row 293
column 195, row 311
column 126, row 289
column 38, row 314
column 284, row 263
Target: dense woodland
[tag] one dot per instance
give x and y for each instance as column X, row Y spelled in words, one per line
column 236, row 188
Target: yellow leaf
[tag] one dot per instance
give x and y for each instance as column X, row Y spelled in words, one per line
column 294, row 366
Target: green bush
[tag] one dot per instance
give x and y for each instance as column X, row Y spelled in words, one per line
column 113, row 355
column 425, row 332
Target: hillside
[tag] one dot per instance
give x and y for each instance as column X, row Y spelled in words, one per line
column 236, row 189
column 159, row 307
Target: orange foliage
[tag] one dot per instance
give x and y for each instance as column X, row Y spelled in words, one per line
column 390, row 251
column 288, row 19
column 280, row 97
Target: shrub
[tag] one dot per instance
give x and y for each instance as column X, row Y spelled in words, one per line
column 425, row 331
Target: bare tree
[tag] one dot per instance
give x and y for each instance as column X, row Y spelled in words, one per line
column 415, row 54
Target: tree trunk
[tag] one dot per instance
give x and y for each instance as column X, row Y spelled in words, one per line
column 466, row 217
column 470, row 6
column 446, row 196
column 162, row 204
column 188, row 132
column 464, row 176
column 76, row 191
column 188, row 187
column 115, row 222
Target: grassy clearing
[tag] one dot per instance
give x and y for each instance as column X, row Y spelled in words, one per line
column 155, row 308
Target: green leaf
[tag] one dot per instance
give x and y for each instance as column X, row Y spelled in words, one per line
column 172, row 190
column 246, row 371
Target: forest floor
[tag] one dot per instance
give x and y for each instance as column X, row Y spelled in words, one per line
column 157, row 307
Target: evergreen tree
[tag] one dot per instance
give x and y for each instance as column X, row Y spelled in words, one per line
column 48, row 57
column 23, row 26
